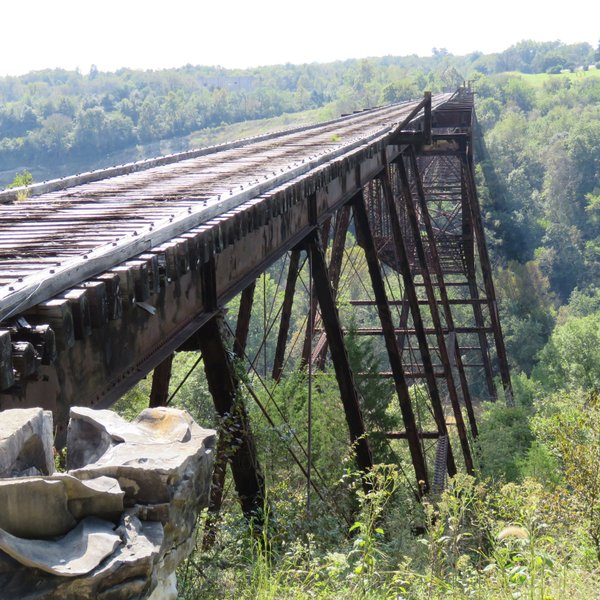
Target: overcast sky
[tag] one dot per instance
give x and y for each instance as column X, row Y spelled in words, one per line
column 38, row 34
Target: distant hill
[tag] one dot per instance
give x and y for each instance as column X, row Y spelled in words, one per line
column 56, row 122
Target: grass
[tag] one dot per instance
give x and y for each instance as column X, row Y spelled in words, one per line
column 236, row 131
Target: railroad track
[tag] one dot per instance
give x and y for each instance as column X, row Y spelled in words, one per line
column 72, row 229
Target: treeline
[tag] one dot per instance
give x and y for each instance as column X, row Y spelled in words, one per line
column 55, row 116
column 542, row 201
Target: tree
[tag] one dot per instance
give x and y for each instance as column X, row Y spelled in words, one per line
column 571, row 358
column 561, row 258
column 527, row 311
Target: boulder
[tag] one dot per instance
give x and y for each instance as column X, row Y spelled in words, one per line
column 151, row 475
column 77, row 553
column 162, row 446
column 43, row 507
column 128, row 572
column 26, row 442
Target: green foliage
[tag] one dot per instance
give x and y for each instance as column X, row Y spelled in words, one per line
column 544, row 146
column 571, row 358
column 21, row 179
column 24, row 178
column 504, row 437
column 527, row 309
column 569, row 424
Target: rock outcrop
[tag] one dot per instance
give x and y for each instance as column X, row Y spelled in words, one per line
column 118, row 523
column 26, row 442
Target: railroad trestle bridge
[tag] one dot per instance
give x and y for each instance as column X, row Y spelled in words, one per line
column 103, row 276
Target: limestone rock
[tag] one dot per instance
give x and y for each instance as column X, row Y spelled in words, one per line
column 166, row 589
column 34, row 508
column 129, row 572
column 159, row 467
column 26, row 442
column 150, row 458
column 92, row 432
column 43, row 507
column 77, row 553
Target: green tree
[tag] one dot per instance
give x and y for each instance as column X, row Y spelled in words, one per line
column 571, row 358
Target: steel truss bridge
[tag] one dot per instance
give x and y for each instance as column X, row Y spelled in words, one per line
column 104, row 275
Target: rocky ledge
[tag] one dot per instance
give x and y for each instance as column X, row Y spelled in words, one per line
column 118, row 522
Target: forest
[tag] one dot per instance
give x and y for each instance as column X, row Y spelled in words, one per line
column 528, row 525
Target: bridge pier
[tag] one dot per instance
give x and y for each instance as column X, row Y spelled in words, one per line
column 339, row 355
column 435, row 316
column 240, row 451
column 161, row 378
column 365, row 239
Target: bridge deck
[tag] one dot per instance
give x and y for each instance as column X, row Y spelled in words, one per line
column 59, row 238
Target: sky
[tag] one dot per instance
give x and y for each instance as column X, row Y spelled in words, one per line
column 146, row 34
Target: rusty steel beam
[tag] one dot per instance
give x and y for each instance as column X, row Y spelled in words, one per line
column 413, row 331
column 313, row 310
column 221, row 451
column 427, row 119
column 403, row 435
column 411, row 296
column 469, row 251
column 451, row 301
column 403, row 323
column 348, row 391
column 365, row 240
column 483, row 341
column 435, row 259
column 335, row 267
column 224, row 388
column 488, row 282
column 286, row 314
column 243, row 320
column 161, row 378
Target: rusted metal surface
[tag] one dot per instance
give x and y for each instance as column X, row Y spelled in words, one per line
column 161, row 378
column 286, row 314
column 344, row 376
column 365, row 239
column 240, row 450
column 101, row 280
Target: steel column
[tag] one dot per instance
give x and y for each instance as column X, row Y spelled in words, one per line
column 311, row 322
column 488, row 282
column 419, row 328
column 286, row 314
column 469, row 251
column 224, row 388
column 243, row 321
column 339, row 355
column 435, row 259
column 335, row 267
column 161, row 377
column 365, row 239
column 435, row 316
